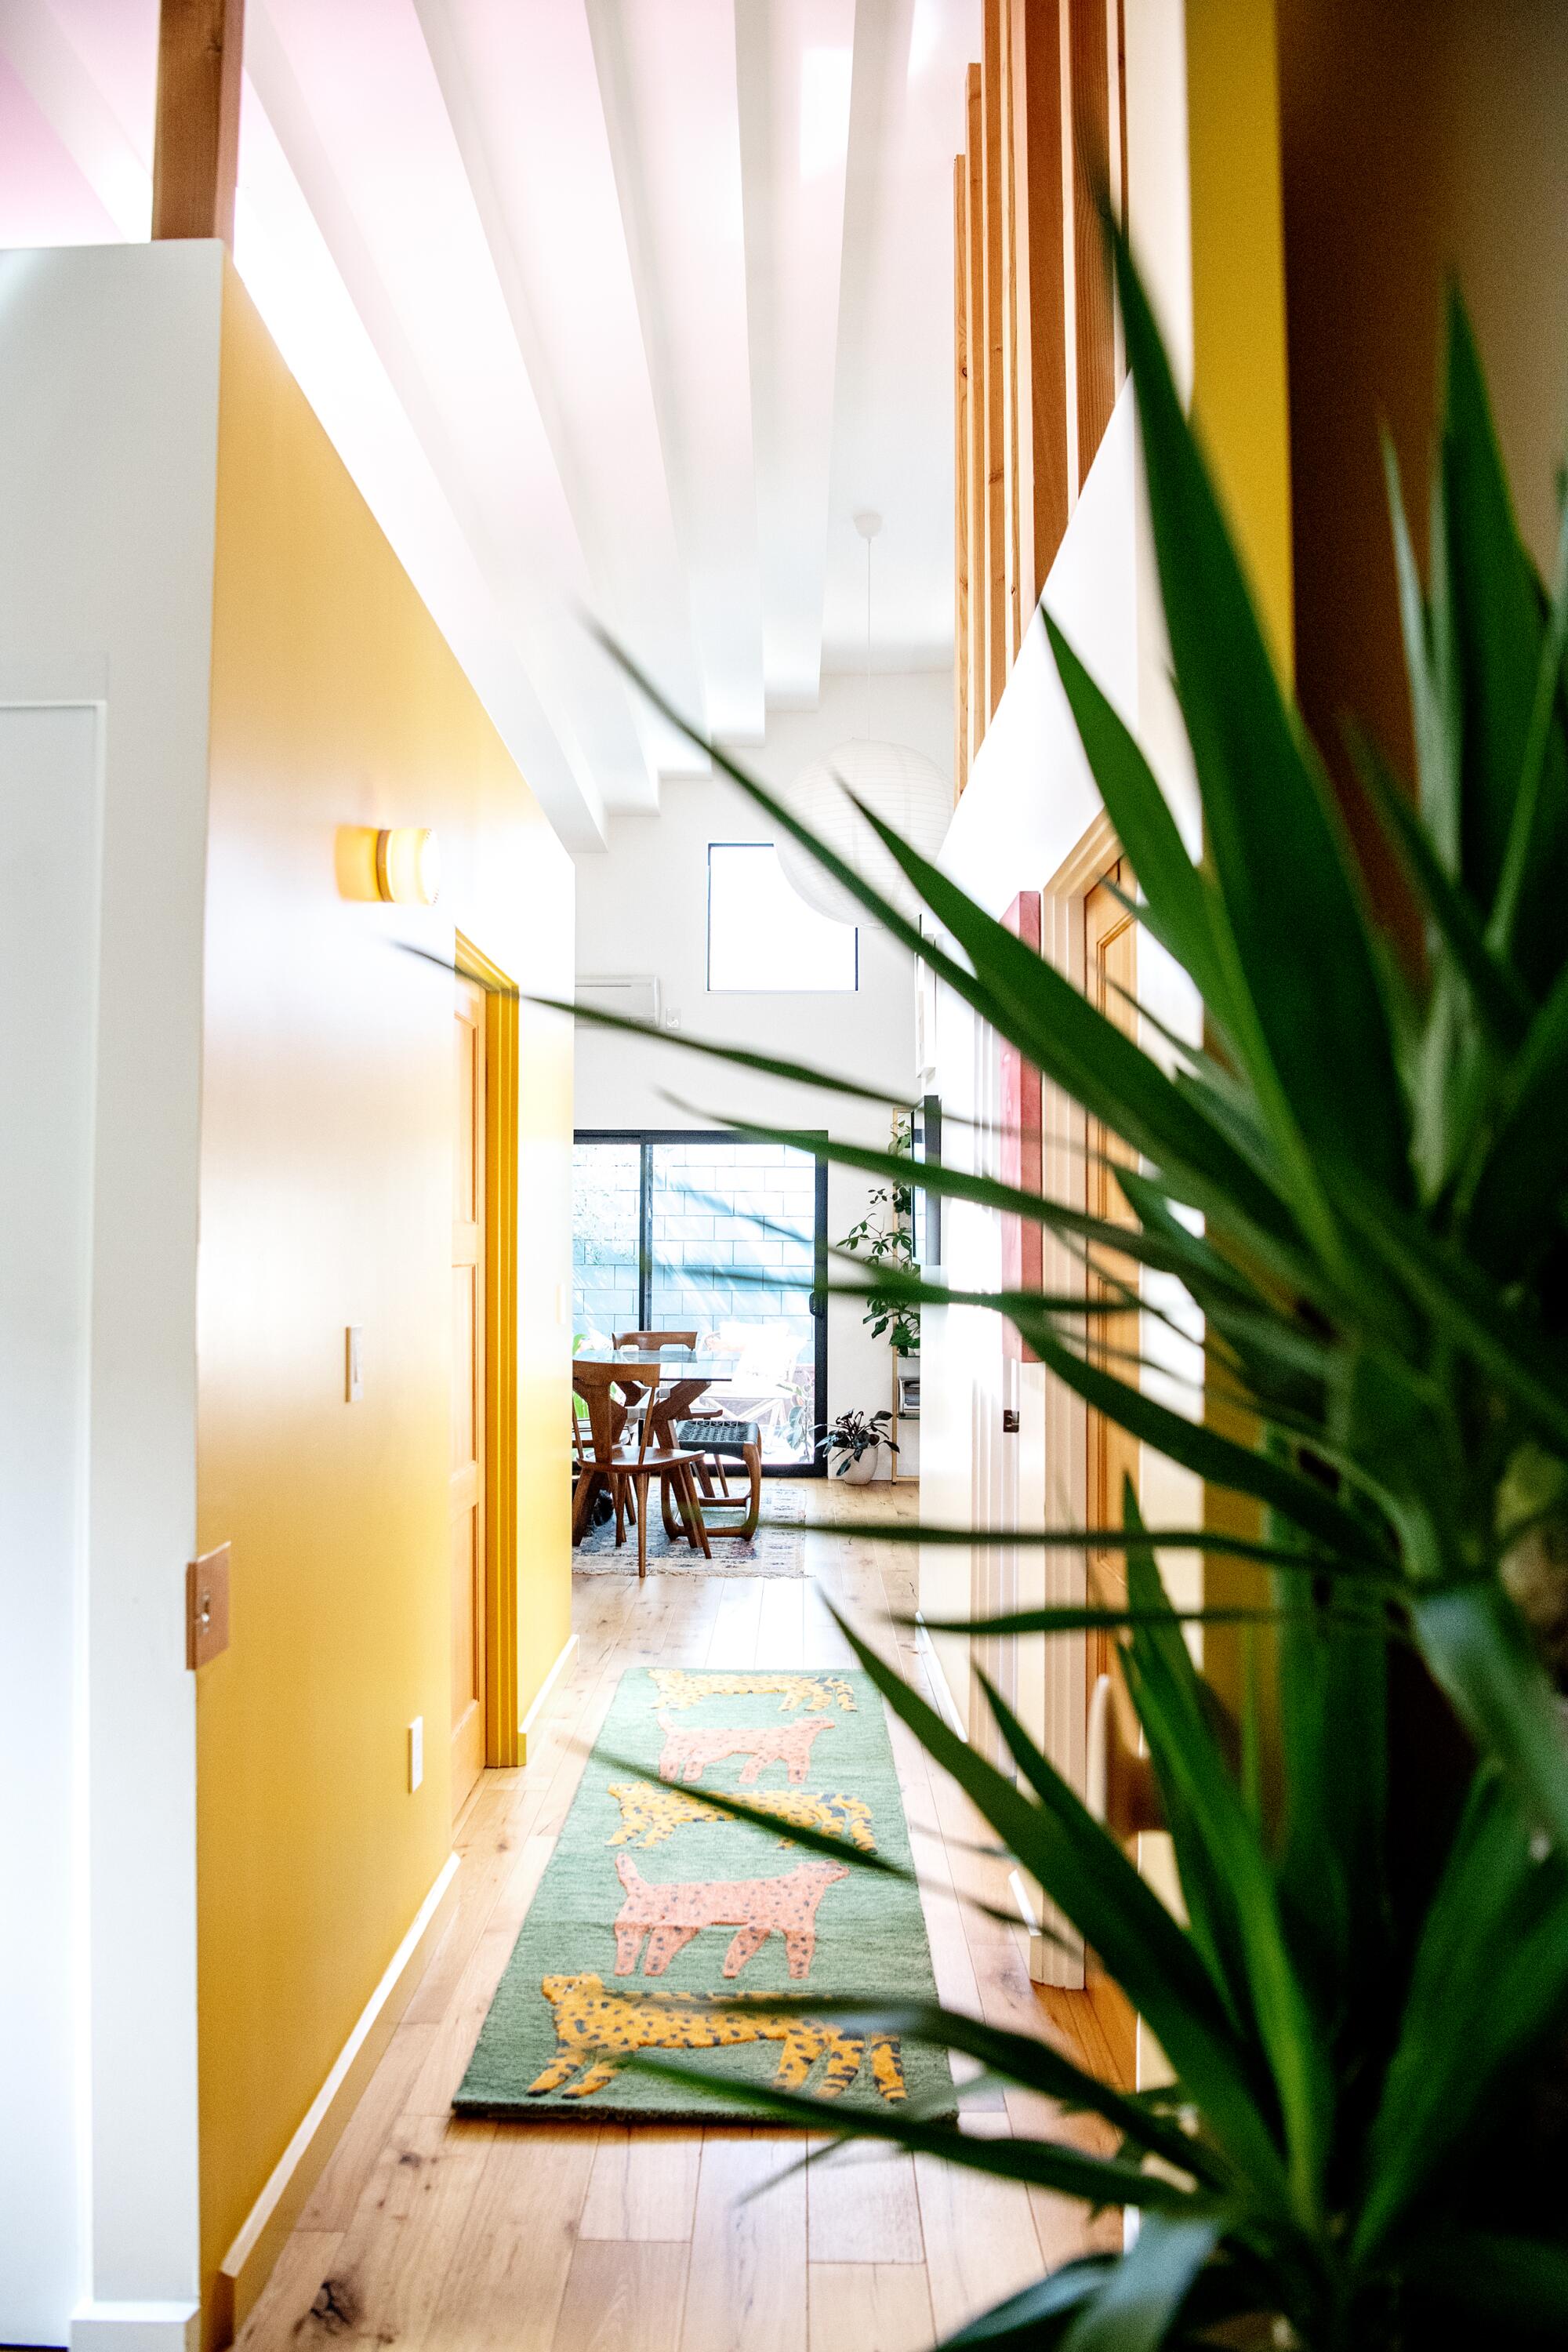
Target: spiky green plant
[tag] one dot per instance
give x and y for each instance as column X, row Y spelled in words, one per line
column 1360, row 1181
column 1340, row 2161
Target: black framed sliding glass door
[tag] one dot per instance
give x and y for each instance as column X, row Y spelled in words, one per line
column 685, row 1230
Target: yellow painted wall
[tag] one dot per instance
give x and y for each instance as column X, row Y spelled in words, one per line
column 1241, row 406
column 1239, row 386
column 326, row 1201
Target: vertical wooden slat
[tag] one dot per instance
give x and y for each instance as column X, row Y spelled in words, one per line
column 1039, row 223
column 1013, row 389
column 196, row 152
column 995, row 577
column 960, row 475
column 974, row 278
column 1095, row 314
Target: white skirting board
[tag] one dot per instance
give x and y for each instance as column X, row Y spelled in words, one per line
column 945, row 1704
column 244, row 2270
column 135, row 2327
column 545, row 1692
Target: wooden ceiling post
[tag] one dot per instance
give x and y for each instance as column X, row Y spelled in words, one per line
column 1039, row 267
column 195, row 154
column 995, row 519
column 979, row 709
column 960, row 475
column 1093, row 300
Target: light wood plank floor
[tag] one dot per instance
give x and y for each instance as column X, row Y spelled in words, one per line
column 431, row 2232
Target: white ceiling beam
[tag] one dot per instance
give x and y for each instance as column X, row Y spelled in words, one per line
column 666, row 80
column 892, row 436
column 414, row 257
column 52, row 71
column 295, row 283
column 794, row 62
column 522, row 95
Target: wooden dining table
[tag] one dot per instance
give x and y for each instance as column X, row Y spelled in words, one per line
column 674, row 1378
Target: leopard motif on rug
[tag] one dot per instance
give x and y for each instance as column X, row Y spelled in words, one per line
column 669, row 1913
column 678, row 1688
column 597, row 2029
column 652, row 1812
column 690, row 1749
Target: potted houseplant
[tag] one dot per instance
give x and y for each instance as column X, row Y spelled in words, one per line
column 882, row 1241
column 851, row 1444
column 1361, row 1182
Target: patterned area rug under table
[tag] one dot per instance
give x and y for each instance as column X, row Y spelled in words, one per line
column 777, row 1548
column 655, row 1905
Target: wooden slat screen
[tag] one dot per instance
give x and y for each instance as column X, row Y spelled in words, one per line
column 1036, row 366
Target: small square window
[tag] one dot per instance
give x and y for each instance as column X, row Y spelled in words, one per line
column 763, row 936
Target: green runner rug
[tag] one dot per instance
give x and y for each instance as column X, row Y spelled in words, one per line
column 651, row 1894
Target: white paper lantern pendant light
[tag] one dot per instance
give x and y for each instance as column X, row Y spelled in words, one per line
column 908, row 792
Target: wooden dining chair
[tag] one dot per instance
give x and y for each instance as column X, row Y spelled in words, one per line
column 709, row 1465
column 625, row 1472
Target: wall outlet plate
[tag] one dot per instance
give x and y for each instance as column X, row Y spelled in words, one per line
column 415, row 1753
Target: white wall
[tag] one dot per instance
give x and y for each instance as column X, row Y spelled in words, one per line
column 107, row 458
column 642, row 908
column 49, row 815
column 1029, row 804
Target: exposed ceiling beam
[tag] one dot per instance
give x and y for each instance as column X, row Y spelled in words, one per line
column 666, row 80
column 417, row 267
column 66, row 94
column 195, row 145
column 523, row 97
column 794, row 61
column 295, row 283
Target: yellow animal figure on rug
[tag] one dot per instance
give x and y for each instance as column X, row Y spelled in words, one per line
column 678, row 1688
column 595, row 2030
column 652, row 1812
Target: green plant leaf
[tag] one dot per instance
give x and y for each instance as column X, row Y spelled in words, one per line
column 1480, row 1997
column 1086, row 1873
column 1225, row 1870
column 1209, row 1455
column 741, row 1057
column 1036, row 2318
column 1499, row 629
column 1467, row 1309
column 1053, row 1023
column 1289, row 899
column 1096, row 2180
column 1499, row 995
column 1436, row 736
column 1134, row 2310
column 1515, row 1204
column 1176, row 889
column 1472, row 1639
column 1025, row 2058
column 1543, row 758
column 1517, row 2282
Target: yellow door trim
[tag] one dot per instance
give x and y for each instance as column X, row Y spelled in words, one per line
column 502, row 1746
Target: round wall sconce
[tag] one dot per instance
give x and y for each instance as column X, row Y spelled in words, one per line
column 408, row 865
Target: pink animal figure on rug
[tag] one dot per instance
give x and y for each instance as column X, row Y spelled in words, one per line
column 671, row 1916
column 688, row 1749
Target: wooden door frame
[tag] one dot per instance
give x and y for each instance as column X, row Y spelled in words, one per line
column 1060, row 1575
column 503, row 1739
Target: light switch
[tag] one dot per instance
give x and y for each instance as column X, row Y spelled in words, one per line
column 415, row 1753
column 353, row 1364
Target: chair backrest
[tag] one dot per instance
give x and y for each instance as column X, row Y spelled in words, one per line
column 656, row 1338
column 596, row 1385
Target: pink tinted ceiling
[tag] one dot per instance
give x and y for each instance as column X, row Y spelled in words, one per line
column 616, row 306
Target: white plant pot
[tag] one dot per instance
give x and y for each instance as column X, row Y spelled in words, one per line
column 858, row 1473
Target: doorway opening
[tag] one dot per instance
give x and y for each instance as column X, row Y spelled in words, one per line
column 482, row 1489
column 676, row 1230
